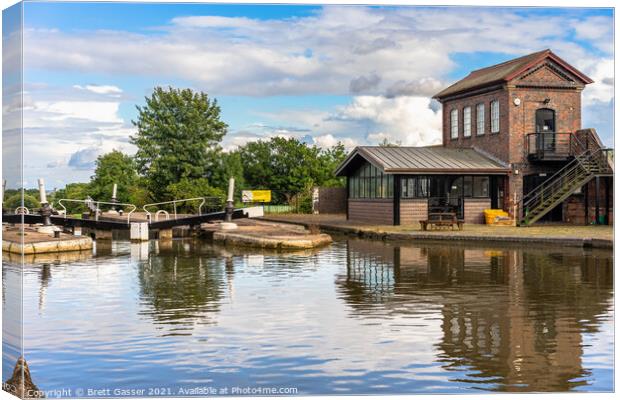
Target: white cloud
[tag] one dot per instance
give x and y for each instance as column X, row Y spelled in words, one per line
column 53, row 111
column 405, row 50
column 328, row 140
column 602, row 90
column 407, row 120
column 100, row 89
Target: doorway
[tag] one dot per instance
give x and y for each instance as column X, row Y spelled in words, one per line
column 545, row 127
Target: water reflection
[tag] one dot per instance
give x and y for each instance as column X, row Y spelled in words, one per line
column 356, row 317
column 182, row 284
column 511, row 319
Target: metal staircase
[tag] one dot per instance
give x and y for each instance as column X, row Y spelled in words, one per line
column 589, row 163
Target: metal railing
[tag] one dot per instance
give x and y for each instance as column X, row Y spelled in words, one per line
column 543, row 145
column 173, row 203
column 574, row 174
column 93, row 205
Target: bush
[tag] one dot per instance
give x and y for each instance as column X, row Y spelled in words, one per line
column 14, row 201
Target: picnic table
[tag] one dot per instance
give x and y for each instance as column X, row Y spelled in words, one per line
column 440, row 220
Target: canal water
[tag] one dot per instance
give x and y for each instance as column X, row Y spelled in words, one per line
column 186, row 317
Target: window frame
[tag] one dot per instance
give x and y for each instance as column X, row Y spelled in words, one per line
column 494, row 114
column 477, row 179
column 454, row 124
column 480, row 128
column 466, row 124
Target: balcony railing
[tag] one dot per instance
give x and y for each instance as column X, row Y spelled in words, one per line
column 550, row 146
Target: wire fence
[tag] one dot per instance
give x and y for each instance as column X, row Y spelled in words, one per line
column 286, row 203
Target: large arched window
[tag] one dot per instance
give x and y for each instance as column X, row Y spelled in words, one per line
column 545, row 120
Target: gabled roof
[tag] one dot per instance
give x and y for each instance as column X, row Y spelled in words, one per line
column 429, row 160
column 507, row 71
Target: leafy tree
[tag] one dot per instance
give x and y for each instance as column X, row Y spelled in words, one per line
column 111, row 168
column 289, row 166
column 186, row 189
column 230, row 165
column 386, row 143
column 178, row 138
column 329, row 160
column 77, row 191
column 15, row 200
column 285, row 166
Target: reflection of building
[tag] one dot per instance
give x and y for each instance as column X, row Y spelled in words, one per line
column 511, row 319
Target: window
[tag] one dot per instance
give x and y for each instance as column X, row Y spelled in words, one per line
column 454, row 124
column 480, row 119
column 495, row 116
column 370, row 182
column 481, row 186
column 468, row 184
column 414, row 187
column 467, row 122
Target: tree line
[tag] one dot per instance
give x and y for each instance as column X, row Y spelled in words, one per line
column 179, row 155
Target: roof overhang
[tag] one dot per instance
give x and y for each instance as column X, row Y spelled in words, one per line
column 352, row 161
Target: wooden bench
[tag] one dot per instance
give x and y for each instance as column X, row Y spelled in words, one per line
column 441, row 220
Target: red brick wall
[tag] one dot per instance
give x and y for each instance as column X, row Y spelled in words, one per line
column 574, row 206
column 371, row 211
column 413, row 210
column 517, row 121
column 473, row 212
column 493, row 143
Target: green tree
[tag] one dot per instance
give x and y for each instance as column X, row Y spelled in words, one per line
column 329, row 160
column 76, row 191
column 111, row 168
column 230, row 165
column 286, row 166
column 187, row 189
column 178, row 138
column 15, row 200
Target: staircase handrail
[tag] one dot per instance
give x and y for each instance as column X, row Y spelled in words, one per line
column 574, row 163
column 568, row 170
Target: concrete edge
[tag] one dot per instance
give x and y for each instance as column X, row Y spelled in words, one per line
column 239, row 239
column 563, row 241
column 52, row 246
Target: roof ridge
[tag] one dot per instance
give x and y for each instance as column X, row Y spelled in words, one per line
column 512, row 60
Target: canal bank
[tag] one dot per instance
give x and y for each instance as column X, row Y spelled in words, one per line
column 563, row 235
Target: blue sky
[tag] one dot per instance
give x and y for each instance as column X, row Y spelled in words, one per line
column 324, row 74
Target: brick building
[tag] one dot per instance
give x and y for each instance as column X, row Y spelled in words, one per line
column 512, row 139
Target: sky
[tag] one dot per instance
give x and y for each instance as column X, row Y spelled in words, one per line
column 324, row 74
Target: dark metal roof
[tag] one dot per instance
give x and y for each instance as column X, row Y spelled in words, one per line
column 505, row 72
column 432, row 159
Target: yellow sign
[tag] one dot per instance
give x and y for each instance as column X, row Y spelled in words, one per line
column 256, row 196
